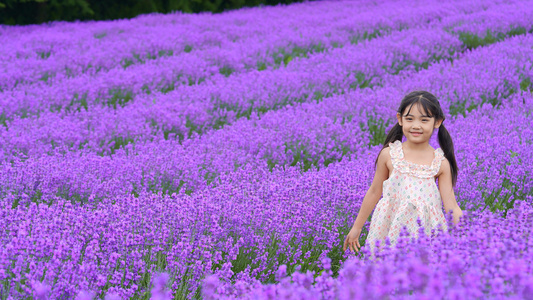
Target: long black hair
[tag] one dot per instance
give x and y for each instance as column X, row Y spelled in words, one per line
column 432, row 108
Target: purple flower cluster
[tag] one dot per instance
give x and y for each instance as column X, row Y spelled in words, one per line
column 487, row 256
column 224, row 156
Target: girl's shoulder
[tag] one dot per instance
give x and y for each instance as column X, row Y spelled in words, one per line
column 385, row 154
column 386, row 159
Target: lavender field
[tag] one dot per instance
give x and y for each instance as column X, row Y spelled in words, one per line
column 226, row 156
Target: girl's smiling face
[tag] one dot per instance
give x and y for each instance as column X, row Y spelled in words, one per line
column 417, row 126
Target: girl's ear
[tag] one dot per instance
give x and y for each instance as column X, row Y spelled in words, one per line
column 438, row 123
column 399, row 117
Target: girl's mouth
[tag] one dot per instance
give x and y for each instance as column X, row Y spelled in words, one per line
column 416, row 133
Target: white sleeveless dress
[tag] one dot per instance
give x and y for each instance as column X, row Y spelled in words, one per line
column 408, row 194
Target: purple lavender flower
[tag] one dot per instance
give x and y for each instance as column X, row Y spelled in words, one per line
column 41, row 290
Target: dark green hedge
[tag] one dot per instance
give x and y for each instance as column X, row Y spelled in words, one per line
column 22, row 12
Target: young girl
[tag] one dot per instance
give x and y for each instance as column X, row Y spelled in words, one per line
column 406, row 174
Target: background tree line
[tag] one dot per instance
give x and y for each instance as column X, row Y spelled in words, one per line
column 22, row 12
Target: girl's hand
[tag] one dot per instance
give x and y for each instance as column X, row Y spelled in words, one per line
column 457, row 215
column 352, row 240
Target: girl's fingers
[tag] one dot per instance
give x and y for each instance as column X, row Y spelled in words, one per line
column 346, row 244
column 357, row 246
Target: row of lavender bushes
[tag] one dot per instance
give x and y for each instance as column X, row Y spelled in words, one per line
column 102, row 46
column 148, row 116
column 283, row 137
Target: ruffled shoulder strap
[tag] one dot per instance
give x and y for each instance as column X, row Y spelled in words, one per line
column 439, row 157
column 396, row 153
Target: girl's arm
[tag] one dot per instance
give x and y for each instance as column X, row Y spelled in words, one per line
column 370, row 200
column 446, row 192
